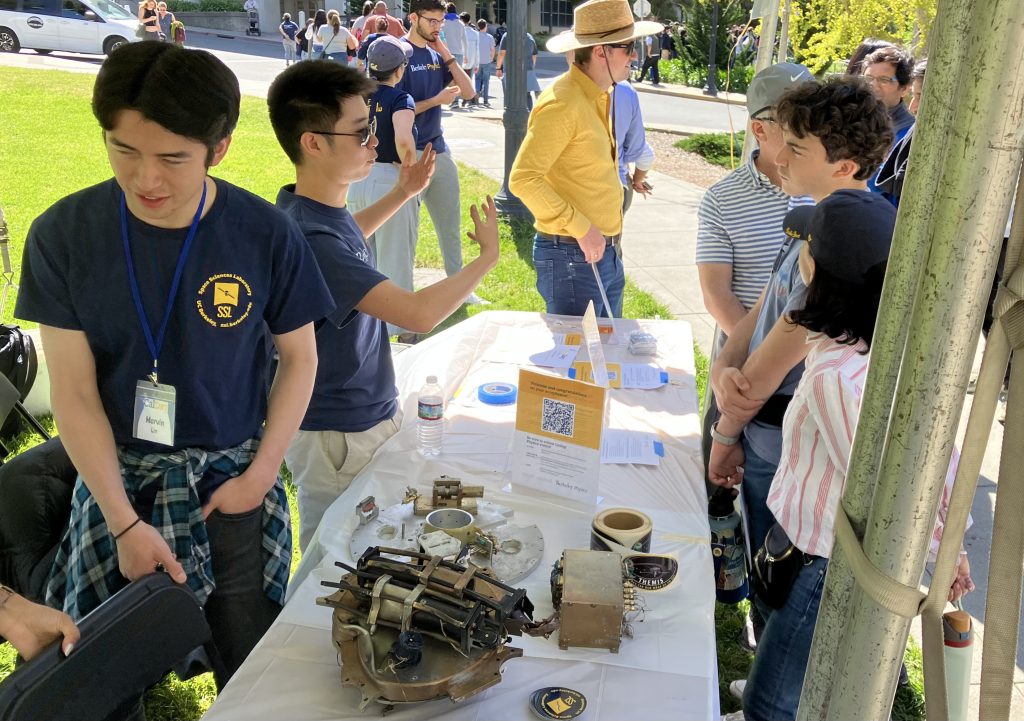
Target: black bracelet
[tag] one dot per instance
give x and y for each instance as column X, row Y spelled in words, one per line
column 450, row 60
column 138, row 519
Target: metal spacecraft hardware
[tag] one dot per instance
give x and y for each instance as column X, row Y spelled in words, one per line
column 422, row 628
column 591, row 595
column 509, row 552
column 447, row 493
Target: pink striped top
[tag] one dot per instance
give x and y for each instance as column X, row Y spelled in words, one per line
column 817, row 434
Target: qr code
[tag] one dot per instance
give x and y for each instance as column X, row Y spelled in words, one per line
column 558, row 417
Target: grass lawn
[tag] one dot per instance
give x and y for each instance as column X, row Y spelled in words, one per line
column 52, row 146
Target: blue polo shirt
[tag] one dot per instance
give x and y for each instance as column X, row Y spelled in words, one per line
column 425, row 77
column 249, row 272
column 387, row 101
column 355, row 379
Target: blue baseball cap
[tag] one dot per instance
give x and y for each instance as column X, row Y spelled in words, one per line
column 387, row 53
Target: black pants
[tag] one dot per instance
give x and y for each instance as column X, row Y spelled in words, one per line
column 651, row 63
column 238, row 611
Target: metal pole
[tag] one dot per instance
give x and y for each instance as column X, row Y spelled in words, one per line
column 952, row 213
column 516, row 113
column 712, row 88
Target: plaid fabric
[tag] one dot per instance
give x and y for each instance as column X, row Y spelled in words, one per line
column 85, row 572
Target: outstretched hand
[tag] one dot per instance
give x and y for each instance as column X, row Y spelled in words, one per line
column 485, row 229
column 414, row 175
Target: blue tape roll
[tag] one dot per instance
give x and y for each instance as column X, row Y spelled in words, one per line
column 497, row 394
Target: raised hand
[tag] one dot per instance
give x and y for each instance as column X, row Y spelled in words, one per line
column 414, row 175
column 485, row 229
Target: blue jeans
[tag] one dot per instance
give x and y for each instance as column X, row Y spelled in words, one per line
column 777, row 676
column 483, row 82
column 757, row 481
column 566, row 282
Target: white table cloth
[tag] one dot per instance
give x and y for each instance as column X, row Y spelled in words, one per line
column 667, row 671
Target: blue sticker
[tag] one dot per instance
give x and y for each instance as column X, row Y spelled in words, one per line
column 659, row 448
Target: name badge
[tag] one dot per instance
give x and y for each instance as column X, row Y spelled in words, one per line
column 154, row 412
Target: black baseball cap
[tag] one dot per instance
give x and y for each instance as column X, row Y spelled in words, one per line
column 848, row 233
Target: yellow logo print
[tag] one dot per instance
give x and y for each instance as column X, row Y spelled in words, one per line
column 224, row 300
column 225, row 293
column 558, row 705
column 379, row 108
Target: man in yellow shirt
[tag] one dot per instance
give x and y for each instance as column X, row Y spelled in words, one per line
column 567, row 172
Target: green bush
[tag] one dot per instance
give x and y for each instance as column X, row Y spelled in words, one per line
column 714, row 147
column 205, row 6
column 683, row 72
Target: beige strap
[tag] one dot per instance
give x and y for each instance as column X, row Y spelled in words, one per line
column 378, row 589
column 407, row 606
column 887, row 592
column 428, row 570
column 464, row 580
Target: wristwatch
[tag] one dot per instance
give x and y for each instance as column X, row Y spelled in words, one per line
column 721, row 437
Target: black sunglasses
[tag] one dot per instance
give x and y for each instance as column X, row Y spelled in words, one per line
column 631, row 46
column 364, row 135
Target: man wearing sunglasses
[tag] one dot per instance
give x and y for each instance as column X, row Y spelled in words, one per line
column 320, row 116
column 428, row 79
column 567, row 170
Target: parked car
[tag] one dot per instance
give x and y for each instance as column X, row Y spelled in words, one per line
column 80, row 26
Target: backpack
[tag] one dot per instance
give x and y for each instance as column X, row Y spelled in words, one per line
column 178, row 32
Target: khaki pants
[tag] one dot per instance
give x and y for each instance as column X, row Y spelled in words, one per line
column 323, row 464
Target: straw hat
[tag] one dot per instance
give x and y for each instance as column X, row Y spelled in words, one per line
column 601, row 22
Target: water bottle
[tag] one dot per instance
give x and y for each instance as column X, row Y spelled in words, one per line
column 727, row 548
column 430, row 423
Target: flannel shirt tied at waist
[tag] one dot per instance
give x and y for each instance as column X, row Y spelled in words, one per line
column 85, row 571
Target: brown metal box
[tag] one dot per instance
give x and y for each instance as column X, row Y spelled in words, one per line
column 592, row 600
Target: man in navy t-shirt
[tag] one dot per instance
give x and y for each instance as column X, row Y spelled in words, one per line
column 321, row 119
column 428, row 79
column 157, row 293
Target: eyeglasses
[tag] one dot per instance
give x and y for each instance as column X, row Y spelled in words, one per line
column 765, row 118
column 432, row 22
column 879, row 79
column 364, row 135
column 630, row 47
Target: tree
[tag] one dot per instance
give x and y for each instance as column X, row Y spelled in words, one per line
column 825, row 31
column 698, row 30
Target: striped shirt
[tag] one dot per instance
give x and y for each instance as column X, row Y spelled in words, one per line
column 739, row 223
column 817, row 435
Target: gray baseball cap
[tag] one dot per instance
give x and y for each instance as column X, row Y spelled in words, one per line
column 387, row 53
column 772, row 83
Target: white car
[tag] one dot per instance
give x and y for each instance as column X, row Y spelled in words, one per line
column 80, row 26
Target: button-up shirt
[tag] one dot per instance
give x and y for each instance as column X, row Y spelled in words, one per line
column 566, row 172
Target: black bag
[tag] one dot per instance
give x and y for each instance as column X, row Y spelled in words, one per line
column 128, row 644
column 776, row 566
column 19, row 364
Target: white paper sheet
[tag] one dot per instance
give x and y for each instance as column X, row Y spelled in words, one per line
column 619, row 446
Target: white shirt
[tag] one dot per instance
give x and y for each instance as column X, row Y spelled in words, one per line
column 333, row 43
column 249, row 5
column 472, row 58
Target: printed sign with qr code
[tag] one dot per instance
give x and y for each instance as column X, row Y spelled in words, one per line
column 558, row 417
column 560, row 408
